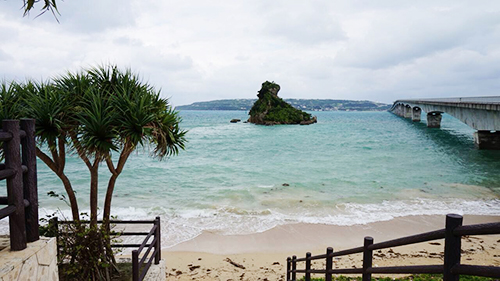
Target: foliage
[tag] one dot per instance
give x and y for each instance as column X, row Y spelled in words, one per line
column 285, row 113
column 274, row 110
column 124, row 269
column 10, row 101
column 48, row 5
column 81, row 247
column 269, row 87
column 80, row 256
column 10, row 105
column 102, row 114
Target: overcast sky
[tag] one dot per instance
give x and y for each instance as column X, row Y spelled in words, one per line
column 204, row 50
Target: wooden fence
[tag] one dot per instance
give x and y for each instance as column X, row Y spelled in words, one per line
column 141, row 258
column 19, row 170
column 451, row 269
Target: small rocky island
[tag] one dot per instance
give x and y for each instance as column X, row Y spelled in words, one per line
column 270, row 109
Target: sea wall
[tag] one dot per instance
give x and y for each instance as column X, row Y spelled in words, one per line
column 37, row 262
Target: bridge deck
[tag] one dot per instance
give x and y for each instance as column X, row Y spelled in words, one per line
column 478, row 100
column 481, row 103
column 480, row 113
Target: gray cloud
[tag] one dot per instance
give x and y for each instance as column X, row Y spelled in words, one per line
column 306, row 27
column 199, row 50
column 94, row 15
column 124, row 40
column 4, row 56
column 407, row 35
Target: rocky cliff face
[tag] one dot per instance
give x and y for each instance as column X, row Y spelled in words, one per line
column 270, row 109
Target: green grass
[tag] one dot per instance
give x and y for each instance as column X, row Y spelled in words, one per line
column 416, row 277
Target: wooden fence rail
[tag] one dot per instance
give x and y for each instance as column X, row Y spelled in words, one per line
column 19, row 170
column 451, row 269
column 140, row 263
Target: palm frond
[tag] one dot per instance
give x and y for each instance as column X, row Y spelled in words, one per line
column 10, row 101
column 96, row 131
column 48, row 105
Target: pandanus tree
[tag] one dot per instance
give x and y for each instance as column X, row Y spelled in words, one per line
column 54, row 112
column 10, row 101
column 10, row 104
column 103, row 114
column 48, row 5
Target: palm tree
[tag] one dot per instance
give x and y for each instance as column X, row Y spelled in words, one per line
column 52, row 108
column 119, row 113
column 10, row 101
column 98, row 113
column 48, row 5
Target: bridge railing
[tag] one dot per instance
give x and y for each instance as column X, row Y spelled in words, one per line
column 485, row 100
column 19, row 170
column 451, row 268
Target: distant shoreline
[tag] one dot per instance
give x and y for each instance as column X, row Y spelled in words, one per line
column 302, row 104
column 244, row 110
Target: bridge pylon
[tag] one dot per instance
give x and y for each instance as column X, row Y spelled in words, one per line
column 480, row 113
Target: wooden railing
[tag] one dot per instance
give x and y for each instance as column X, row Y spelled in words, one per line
column 141, row 267
column 19, row 170
column 141, row 262
column 451, row 269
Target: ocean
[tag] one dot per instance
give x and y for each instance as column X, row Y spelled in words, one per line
column 349, row 168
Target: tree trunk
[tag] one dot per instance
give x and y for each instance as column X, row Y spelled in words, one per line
column 67, row 184
column 107, row 201
column 71, row 196
column 115, row 172
column 94, row 181
column 109, row 196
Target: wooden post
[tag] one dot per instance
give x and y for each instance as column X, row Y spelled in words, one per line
column 54, row 223
column 329, row 264
column 288, row 269
column 135, row 265
column 452, row 247
column 29, row 179
column 367, row 258
column 308, row 266
column 294, row 267
column 15, row 196
column 158, row 241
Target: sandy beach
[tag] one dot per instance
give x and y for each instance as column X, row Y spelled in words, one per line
column 262, row 256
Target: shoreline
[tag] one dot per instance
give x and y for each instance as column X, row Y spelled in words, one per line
column 212, row 256
column 306, row 237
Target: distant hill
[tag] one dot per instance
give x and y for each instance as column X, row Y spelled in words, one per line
column 303, row 104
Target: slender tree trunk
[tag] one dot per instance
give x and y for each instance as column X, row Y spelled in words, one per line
column 71, row 196
column 106, row 228
column 53, row 165
column 94, row 182
column 115, row 172
column 109, row 196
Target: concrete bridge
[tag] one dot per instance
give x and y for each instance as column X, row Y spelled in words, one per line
column 480, row 113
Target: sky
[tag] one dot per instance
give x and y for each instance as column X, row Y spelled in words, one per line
column 198, row 50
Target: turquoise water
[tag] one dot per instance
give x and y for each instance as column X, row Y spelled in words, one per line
column 349, row 168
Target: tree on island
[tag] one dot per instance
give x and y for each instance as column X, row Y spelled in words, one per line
column 270, row 109
column 96, row 113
